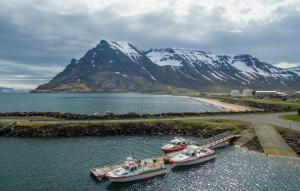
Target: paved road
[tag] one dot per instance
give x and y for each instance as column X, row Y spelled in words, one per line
column 257, row 118
column 272, row 142
column 266, row 119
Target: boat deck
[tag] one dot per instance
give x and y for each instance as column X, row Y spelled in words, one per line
column 100, row 173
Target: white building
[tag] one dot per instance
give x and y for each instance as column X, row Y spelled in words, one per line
column 270, row 94
column 247, row 92
column 262, row 94
column 235, row 93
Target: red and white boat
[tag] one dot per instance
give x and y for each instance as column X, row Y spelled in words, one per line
column 193, row 155
column 133, row 169
column 175, row 145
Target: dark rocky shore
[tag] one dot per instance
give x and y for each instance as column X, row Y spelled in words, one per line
column 54, row 130
column 254, row 145
column 76, row 116
column 292, row 138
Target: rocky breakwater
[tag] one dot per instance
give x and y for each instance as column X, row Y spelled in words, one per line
column 292, row 138
column 107, row 129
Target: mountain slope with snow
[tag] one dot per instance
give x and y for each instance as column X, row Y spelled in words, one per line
column 110, row 66
column 295, row 70
column 120, row 66
column 223, row 70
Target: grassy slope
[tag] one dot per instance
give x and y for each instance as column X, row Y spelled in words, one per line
column 292, row 102
column 292, row 117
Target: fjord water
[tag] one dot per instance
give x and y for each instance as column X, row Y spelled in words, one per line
column 64, row 163
column 119, row 103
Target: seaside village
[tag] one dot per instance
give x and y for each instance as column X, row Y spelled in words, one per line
column 264, row 94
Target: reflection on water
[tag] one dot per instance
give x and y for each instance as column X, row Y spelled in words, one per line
column 101, row 102
column 63, row 164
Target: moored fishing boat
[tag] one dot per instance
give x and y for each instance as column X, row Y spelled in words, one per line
column 133, row 169
column 193, row 155
column 175, row 145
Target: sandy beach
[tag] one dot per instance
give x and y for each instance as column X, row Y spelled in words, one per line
column 227, row 106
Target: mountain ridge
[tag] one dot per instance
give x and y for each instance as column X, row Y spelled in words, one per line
column 120, row 66
column 295, row 70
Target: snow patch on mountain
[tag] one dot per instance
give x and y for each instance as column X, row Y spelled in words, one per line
column 296, row 70
column 126, row 49
column 163, row 58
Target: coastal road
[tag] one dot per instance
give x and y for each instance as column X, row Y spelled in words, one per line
column 255, row 119
column 262, row 119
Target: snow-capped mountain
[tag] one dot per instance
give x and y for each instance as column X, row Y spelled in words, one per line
column 224, row 70
column 120, row 66
column 295, row 70
column 110, row 66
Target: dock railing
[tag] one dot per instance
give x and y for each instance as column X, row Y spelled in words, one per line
column 215, row 140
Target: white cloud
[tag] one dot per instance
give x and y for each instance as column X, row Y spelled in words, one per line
column 40, row 37
column 8, row 66
column 234, row 14
column 287, row 64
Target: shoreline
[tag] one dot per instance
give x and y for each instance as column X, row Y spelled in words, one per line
column 225, row 105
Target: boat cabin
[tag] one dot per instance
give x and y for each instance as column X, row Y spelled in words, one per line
column 178, row 142
column 130, row 166
column 190, row 152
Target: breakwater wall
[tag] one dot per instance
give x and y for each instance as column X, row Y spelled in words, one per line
column 111, row 129
column 76, row 116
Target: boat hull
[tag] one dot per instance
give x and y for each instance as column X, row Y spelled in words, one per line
column 138, row 177
column 192, row 162
column 174, row 149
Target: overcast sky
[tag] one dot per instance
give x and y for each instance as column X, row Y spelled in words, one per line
column 39, row 37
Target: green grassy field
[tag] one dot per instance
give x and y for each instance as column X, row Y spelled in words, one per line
column 206, row 125
column 292, row 102
column 292, row 117
column 29, row 117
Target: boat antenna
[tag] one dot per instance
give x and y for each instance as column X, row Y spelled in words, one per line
column 160, row 105
column 129, row 148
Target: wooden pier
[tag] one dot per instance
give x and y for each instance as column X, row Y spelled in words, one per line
column 219, row 140
column 216, row 141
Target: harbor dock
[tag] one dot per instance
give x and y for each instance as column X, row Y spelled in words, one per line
column 217, row 141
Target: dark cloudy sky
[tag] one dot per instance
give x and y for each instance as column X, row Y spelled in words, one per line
column 39, row 37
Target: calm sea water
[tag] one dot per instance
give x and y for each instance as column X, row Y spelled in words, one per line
column 102, row 102
column 63, row 164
